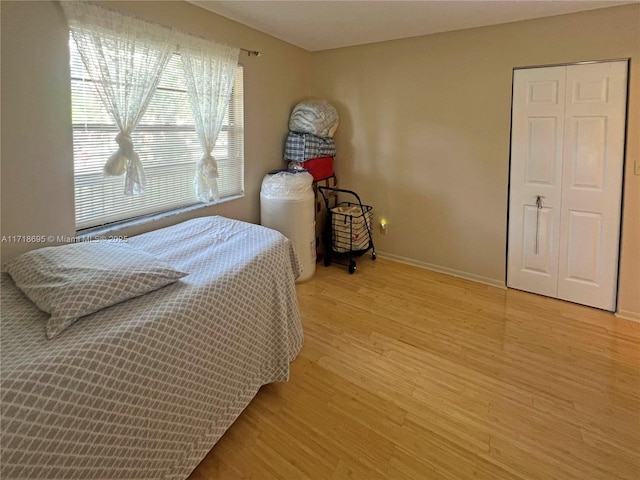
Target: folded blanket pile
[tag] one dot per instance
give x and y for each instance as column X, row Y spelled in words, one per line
column 310, row 144
column 316, row 117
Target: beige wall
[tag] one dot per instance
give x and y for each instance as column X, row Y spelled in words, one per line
column 36, row 152
column 424, row 134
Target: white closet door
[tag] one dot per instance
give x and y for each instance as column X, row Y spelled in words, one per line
column 593, row 156
column 567, row 152
column 536, row 170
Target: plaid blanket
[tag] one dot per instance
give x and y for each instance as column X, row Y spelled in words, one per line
column 301, row 147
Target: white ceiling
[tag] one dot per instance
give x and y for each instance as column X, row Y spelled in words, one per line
column 321, row 25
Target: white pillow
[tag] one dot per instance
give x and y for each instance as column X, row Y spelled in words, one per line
column 74, row 280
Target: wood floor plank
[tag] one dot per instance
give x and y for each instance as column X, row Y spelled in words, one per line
column 411, row 374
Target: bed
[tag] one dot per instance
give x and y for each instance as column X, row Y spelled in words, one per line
column 143, row 389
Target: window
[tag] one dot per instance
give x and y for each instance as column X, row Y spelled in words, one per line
column 165, row 140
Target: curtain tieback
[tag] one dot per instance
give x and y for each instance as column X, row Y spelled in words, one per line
column 208, row 166
column 118, row 162
column 125, row 144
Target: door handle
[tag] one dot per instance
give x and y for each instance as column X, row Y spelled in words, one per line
column 538, row 208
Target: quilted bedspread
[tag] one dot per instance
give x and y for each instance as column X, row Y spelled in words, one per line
column 144, row 389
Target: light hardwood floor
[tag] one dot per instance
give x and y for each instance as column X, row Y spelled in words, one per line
column 410, row 374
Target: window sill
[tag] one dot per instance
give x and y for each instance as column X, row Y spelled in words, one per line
column 111, row 231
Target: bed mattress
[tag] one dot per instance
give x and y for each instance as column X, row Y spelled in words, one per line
column 144, row 389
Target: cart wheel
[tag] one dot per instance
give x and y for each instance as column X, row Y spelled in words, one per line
column 373, row 256
column 352, row 266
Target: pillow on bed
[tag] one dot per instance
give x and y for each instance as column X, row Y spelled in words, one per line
column 74, row 280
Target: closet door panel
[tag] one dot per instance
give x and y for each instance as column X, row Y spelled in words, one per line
column 593, row 155
column 584, row 258
column 535, row 179
column 538, row 259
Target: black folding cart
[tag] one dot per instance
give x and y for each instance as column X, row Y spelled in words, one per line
column 347, row 230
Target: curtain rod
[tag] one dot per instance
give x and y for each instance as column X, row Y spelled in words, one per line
column 251, row 53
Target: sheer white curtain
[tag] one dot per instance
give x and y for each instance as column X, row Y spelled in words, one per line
column 124, row 57
column 209, row 70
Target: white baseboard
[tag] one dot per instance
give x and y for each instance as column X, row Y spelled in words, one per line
column 628, row 315
column 447, row 271
column 624, row 314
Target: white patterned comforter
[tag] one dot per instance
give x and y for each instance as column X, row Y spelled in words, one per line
column 144, row 389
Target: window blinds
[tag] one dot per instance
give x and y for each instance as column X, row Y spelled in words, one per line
column 166, row 141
